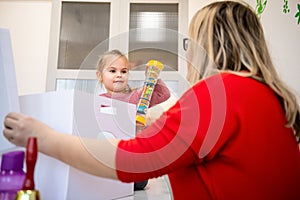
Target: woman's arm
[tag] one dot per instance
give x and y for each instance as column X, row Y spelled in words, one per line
column 95, row 157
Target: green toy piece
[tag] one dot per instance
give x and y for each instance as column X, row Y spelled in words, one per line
column 286, row 7
column 260, row 7
column 298, row 14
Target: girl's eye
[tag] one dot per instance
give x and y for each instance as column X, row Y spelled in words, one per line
column 112, row 71
column 124, row 71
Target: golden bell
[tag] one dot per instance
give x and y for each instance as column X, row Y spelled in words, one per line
column 28, row 195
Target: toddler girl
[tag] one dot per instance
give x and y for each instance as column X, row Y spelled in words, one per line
column 112, row 72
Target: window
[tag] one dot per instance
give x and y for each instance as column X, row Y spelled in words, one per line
column 83, row 26
column 153, row 34
column 143, row 29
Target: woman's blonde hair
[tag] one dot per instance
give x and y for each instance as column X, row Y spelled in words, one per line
column 228, row 36
column 107, row 58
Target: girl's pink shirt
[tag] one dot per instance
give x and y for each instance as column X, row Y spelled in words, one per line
column 160, row 94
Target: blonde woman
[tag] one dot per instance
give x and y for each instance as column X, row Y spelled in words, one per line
column 232, row 135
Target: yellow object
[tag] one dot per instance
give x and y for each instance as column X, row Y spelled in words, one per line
column 140, row 119
column 155, row 63
column 152, row 73
column 28, row 195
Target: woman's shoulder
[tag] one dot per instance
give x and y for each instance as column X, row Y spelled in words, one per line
column 227, row 78
column 229, row 84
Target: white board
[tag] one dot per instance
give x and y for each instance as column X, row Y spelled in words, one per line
column 9, row 98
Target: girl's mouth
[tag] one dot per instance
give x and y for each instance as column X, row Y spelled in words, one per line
column 118, row 81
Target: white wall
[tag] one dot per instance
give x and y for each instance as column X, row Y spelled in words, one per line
column 283, row 37
column 29, row 24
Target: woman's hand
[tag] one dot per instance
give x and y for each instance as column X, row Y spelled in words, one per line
column 18, row 127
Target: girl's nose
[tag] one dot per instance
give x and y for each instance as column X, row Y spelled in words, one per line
column 119, row 74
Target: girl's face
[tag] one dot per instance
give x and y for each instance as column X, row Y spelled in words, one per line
column 115, row 76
